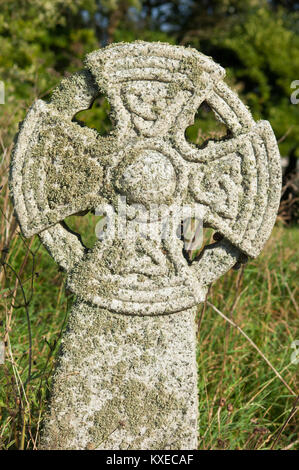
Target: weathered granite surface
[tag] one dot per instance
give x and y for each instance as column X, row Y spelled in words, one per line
column 125, row 382
column 127, row 373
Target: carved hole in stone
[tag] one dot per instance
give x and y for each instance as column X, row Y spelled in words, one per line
column 97, row 116
column 84, row 225
column 206, row 127
column 195, row 239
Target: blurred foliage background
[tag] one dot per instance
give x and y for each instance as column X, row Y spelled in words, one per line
column 243, row 403
column 257, row 42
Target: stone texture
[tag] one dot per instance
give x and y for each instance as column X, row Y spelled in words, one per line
column 131, row 333
column 125, row 382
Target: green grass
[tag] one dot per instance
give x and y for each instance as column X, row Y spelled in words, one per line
column 255, row 402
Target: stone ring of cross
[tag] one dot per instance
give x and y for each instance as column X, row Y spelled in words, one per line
column 61, row 168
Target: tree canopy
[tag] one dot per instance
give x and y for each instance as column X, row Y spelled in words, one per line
column 257, row 42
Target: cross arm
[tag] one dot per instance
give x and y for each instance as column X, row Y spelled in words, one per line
column 57, row 168
column 239, row 187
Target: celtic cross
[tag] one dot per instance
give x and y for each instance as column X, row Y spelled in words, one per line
column 127, row 372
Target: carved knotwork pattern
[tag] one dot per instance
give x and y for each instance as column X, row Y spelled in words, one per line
column 60, row 168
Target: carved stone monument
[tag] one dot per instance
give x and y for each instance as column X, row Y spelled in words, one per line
column 127, row 375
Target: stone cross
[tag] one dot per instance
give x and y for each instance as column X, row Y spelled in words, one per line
column 127, row 375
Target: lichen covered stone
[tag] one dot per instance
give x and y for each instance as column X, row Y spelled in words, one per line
column 126, row 378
